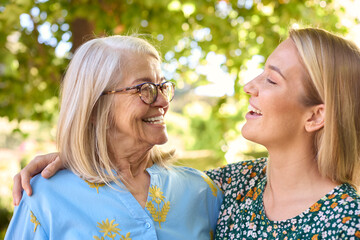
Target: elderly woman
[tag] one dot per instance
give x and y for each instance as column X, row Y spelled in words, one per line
column 305, row 109
column 114, row 99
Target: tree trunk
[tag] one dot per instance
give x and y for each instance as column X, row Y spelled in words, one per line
column 82, row 31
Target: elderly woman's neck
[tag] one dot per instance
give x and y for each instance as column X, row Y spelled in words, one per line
column 132, row 163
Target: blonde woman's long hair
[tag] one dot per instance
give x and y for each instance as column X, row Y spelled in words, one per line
column 85, row 117
column 333, row 65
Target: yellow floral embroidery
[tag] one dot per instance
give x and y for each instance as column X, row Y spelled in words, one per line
column 156, row 194
column 34, row 220
column 211, row 235
column 95, row 185
column 211, row 184
column 127, row 237
column 158, row 214
column 110, row 229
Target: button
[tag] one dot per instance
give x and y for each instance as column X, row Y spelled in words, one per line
column 147, row 225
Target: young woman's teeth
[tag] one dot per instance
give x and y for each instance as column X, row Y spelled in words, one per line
column 254, row 110
column 155, row 120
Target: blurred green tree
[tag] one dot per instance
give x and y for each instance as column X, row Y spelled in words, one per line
column 35, row 34
column 38, row 37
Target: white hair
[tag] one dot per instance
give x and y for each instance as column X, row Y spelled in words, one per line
column 84, row 117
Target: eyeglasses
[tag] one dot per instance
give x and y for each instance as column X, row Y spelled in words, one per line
column 148, row 91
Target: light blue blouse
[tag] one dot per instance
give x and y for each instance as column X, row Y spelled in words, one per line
column 182, row 203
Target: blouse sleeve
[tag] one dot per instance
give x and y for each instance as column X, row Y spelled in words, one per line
column 25, row 225
column 217, row 175
column 350, row 227
column 214, row 207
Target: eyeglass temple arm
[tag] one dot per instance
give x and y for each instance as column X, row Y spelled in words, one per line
column 120, row 90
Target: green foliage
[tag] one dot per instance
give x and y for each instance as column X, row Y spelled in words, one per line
column 5, row 216
column 31, row 71
column 210, row 128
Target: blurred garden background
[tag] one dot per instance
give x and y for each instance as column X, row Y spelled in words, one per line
column 210, row 48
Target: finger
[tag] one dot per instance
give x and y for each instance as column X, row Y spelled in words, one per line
column 17, row 190
column 25, row 181
column 52, row 168
column 33, row 168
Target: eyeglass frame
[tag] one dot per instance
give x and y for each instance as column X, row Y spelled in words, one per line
column 138, row 88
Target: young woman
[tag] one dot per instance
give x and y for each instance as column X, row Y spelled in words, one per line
column 305, row 109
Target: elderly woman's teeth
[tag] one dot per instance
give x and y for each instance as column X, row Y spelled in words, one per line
column 155, row 120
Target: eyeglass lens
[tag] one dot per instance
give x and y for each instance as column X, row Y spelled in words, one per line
column 149, row 92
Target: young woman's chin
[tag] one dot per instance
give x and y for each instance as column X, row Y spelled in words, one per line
column 247, row 133
column 250, row 135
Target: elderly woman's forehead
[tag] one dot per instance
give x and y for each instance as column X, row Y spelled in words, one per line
column 136, row 60
column 139, row 55
column 139, row 66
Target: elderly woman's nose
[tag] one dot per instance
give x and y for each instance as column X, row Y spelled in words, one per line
column 161, row 99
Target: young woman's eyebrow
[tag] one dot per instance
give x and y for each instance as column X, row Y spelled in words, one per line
column 276, row 69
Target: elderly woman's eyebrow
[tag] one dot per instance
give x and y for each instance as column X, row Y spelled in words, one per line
column 147, row 79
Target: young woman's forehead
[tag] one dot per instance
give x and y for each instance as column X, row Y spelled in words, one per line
column 286, row 60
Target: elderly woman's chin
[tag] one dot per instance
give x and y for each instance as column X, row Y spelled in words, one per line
column 159, row 140
column 158, row 137
column 163, row 138
column 162, row 141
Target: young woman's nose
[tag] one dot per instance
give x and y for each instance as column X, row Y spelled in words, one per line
column 251, row 87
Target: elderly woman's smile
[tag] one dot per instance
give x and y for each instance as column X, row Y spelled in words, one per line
column 155, row 120
column 144, row 123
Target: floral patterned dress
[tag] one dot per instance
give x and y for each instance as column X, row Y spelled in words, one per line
column 242, row 216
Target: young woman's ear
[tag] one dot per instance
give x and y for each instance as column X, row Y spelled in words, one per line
column 316, row 118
